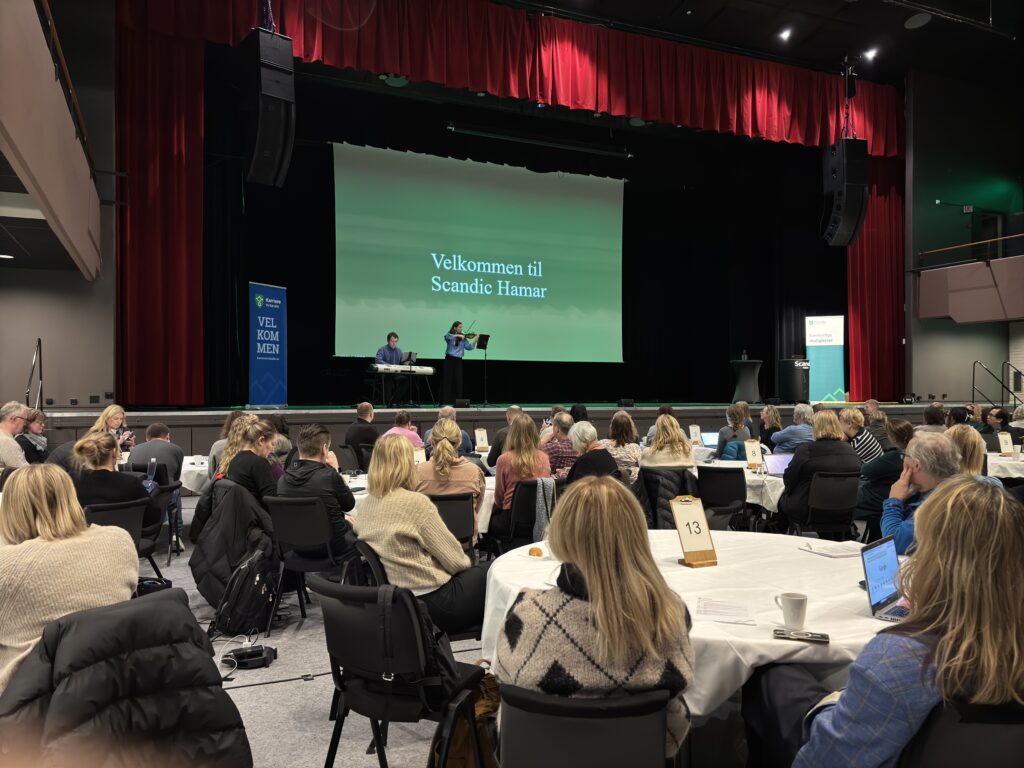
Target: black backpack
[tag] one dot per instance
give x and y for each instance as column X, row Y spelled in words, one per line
column 248, row 597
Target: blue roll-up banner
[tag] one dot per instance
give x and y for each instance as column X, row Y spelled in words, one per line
column 268, row 344
column 826, row 352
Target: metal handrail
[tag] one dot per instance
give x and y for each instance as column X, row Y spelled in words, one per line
column 1007, row 366
column 1002, row 386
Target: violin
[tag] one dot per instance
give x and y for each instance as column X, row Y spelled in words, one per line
column 470, row 336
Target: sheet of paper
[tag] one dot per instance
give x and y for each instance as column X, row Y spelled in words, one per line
column 833, row 548
column 723, row 611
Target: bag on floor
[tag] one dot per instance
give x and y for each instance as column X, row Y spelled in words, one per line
column 460, row 746
column 248, row 597
column 149, row 584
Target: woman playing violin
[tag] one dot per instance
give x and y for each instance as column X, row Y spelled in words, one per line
column 457, row 344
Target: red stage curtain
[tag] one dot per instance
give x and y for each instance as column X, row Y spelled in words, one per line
column 874, row 285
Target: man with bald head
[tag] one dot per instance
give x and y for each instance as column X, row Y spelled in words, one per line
column 468, row 444
column 362, row 433
column 498, row 443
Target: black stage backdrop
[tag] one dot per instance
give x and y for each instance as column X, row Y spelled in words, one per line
column 721, row 251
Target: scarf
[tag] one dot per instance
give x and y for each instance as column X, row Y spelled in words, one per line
column 38, row 441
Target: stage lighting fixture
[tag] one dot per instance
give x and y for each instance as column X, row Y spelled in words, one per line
column 870, row 54
column 5, row 256
column 784, row 34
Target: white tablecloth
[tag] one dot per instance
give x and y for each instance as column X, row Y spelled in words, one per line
column 752, row 568
column 194, row 473
column 482, row 521
column 765, row 490
column 1004, row 466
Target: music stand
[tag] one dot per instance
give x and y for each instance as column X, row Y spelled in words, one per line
column 481, row 343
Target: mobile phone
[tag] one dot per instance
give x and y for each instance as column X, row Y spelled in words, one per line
column 800, row 634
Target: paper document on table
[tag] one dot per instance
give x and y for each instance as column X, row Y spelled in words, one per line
column 833, row 549
column 723, row 611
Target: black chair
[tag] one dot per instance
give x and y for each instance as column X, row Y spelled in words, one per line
column 958, row 734
column 723, row 492
column 164, row 497
column 386, row 684
column 5, row 473
column 991, row 442
column 831, row 505
column 302, row 523
column 365, row 453
column 459, row 514
column 127, row 515
column 543, row 731
column 523, row 515
column 347, row 459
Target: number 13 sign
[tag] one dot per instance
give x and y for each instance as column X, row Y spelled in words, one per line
column 694, row 535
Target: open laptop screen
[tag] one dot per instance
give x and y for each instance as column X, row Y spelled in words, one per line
column 709, row 439
column 777, row 463
column 881, row 567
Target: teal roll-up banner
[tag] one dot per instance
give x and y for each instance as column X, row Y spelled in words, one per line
column 268, row 344
column 826, row 352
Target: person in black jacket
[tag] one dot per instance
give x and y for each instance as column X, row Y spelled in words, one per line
column 32, row 440
column 827, row 453
column 137, row 686
column 245, row 458
column 594, row 458
column 878, row 475
column 315, row 473
column 99, row 482
column 362, row 433
column 498, row 443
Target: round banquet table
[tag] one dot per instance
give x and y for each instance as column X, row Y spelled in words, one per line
column 1004, row 466
column 752, row 568
column 765, row 490
column 195, row 473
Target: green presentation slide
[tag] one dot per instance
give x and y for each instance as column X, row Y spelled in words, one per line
column 532, row 259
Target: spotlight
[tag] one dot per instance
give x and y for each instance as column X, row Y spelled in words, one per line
column 5, row 256
column 870, row 54
column 784, row 34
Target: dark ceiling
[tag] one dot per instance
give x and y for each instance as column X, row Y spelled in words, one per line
column 823, row 31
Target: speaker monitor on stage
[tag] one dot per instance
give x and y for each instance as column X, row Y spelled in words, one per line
column 626, row 402
column 845, row 169
column 270, row 83
column 462, row 402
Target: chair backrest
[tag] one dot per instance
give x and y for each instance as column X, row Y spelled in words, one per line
column 720, row 486
column 834, row 491
column 377, row 572
column 161, row 476
column 956, row 735
column 123, row 514
column 366, row 453
column 348, row 461
column 458, row 512
column 4, row 474
column 991, row 442
column 523, row 514
column 543, row 731
column 300, row 522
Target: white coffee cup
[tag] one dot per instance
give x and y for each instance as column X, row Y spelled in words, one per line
column 1016, row 453
column 794, row 609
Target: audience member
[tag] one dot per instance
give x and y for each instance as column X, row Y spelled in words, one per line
column 594, row 458
column 12, row 420
column 828, row 452
column 619, row 629
column 158, row 446
column 771, row 423
column 734, row 430
column 871, row 407
column 414, row 545
column 622, row 444
column 467, row 444
column 934, row 420
column 930, row 458
column 670, row 446
column 561, row 454
column 362, row 433
column 957, row 415
column 971, row 447
column 315, row 473
column 747, row 421
column 1018, row 417
column 447, row 472
column 498, row 443
column 32, row 440
column 282, row 452
column 961, row 643
column 800, row 431
column 404, row 428
column 99, row 482
column 217, row 449
column 998, row 420
column 547, row 429
column 112, row 419
column 245, row 457
column 522, row 460
column 63, row 455
column 579, row 413
column 876, row 426
column 878, row 475
column 864, row 444
column 52, row 563
column 662, row 411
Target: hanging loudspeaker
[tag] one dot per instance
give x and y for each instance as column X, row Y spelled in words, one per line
column 845, row 170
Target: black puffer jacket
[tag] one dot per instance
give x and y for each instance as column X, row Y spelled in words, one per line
column 655, row 487
column 128, row 684
column 229, row 524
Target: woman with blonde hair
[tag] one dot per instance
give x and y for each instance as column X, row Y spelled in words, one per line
column 245, row 458
column 99, row 482
column 623, row 445
column 112, row 420
column 771, row 422
column 521, row 460
column 620, row 629
column 417, row 550
column 734, row 430
column 447, row 472
column 52, row 563
column 670, row 446
column 971, row 446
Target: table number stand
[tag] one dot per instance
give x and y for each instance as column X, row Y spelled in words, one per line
column 1005, row 444
column 694, row 534
column 755, row 459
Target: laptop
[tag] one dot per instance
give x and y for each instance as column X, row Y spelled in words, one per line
column 881, row 568
column 776, row 463
column 709, row 439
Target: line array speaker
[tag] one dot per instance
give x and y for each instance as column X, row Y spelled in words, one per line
column 845, row 169
column 270, row 78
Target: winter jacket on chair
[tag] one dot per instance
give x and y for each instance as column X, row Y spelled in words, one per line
column 130, row 684
column 656, row 487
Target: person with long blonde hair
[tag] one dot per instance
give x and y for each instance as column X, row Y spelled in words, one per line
column 245, row 458
column 962, row 642
column 670, row 446
column 771, row 422
column 522, row 460
column 112, row 419
column 417, row 550
column 971, row 445
column 619, row 630
column 51, row 562
column 447, row 472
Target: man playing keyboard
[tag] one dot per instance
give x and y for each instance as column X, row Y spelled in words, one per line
column 397, row 385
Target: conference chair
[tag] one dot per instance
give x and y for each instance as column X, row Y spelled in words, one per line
column 723, row 492
column 164, row 497
column 958, row 734
column 539, row 730
column 365, row 454
column 458, row 512
column 302, row 523
column 348, row 461
column 383, row 676
column 830, row 507
column 127, row 515
column 523, row 514
column 5, row 473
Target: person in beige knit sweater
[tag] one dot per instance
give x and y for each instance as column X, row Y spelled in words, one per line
column 417, row 550
column 611, row 626
column 51, row 562
column 670, row 446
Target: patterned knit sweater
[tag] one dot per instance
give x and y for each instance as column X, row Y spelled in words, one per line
column 417, row 550
column 41, row 581
column 547, row 645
